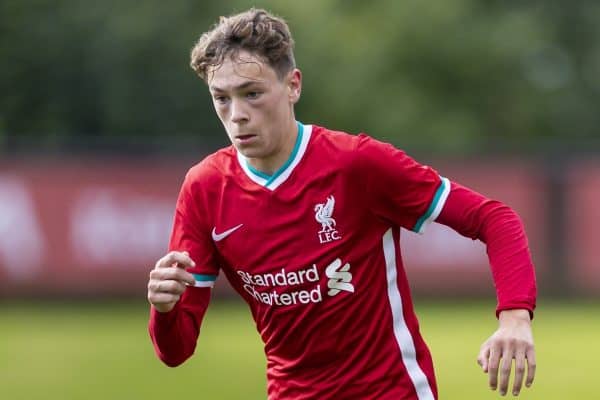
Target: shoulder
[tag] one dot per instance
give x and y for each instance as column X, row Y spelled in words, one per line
column 211, row 170
column 353, row 149
column 344, row 141
column 336, row 147
column 329, row 139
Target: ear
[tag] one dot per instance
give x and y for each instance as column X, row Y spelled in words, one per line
column 294, row 83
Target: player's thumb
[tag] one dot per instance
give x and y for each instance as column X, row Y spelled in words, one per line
column 185, row 261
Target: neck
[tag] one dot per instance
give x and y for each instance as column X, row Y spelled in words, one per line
column 271, row 164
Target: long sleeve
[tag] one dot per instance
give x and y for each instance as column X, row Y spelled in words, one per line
column 500, row 228
column 174, row 334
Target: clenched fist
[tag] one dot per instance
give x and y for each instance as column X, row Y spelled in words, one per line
column 168, row 280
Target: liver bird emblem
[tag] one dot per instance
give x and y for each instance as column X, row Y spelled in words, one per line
column 323, row 214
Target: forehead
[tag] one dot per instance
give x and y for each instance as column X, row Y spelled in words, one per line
column 240, row 69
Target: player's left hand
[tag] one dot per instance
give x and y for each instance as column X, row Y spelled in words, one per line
column 512, row 341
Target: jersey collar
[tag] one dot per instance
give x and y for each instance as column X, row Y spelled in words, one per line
column 271, row 182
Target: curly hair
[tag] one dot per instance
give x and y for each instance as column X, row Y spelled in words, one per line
column 256, row 31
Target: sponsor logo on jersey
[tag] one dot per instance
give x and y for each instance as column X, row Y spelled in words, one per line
column 280, row 288
column 323, row 215
column 340, row 277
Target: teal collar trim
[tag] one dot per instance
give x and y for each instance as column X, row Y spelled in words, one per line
column 286, row 164
column 257, row 172
column 272, row 181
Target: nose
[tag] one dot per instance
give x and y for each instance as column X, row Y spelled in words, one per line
column 239, row 114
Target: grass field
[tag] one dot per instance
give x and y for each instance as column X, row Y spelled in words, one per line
column 102, row 351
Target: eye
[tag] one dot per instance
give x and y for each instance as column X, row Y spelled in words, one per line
column 220, row 99
column 253, row 95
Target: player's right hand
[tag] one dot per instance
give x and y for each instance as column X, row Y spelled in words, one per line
column 168, row 280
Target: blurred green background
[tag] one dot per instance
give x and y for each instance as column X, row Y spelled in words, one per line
column 59, row 351
column 454, row 79
column 502, row 75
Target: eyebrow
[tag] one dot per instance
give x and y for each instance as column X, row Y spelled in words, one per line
column 243, row 86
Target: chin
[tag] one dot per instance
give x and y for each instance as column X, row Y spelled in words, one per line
column 249, row 152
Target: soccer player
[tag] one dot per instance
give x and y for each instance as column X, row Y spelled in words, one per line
column 305, row 224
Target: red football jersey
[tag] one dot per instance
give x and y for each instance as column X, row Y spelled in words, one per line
column 314, row 250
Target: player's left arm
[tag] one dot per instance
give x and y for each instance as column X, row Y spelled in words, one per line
column 400, row 190
column 501, row 229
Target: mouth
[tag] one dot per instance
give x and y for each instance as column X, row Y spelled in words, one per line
column 242, row 139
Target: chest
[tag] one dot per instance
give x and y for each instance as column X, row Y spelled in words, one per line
column 293, row 227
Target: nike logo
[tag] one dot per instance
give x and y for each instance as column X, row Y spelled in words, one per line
column 217, row 237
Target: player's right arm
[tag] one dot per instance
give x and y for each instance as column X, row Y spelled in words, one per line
column 177, row 308
column 179, row 285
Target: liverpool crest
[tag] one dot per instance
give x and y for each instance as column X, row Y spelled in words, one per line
column 324, row 216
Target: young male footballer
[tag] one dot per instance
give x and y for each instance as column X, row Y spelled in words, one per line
column 305, row 224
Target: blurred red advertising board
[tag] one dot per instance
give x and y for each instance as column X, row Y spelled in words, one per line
column 96, row 227
column 583, row 226
column 84, row 227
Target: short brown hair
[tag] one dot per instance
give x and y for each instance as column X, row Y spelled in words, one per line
column 256, row 31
